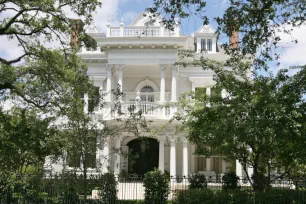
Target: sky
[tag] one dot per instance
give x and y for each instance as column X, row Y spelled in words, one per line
column 292, row 54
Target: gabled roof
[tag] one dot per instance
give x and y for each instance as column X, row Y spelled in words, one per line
column 205, row 29
column 92, row 28
column 144, row 17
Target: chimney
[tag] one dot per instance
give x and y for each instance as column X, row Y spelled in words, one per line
column 234, row 36
column 76, row 25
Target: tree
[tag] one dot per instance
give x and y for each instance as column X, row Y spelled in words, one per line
column 39, row 81
column 259, row 23
column 25, row 141
column 260, row 122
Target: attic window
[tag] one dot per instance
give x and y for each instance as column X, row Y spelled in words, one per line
column 206, row 44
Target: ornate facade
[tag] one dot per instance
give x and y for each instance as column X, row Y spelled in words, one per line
column 140, row 59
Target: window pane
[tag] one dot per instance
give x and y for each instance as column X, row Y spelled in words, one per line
column 93, row 99
column 209, row 44
column 90, row 155
column 203, row 44
column 74, row 159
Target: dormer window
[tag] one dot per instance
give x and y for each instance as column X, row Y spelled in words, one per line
column 209, row 44
column 206, row 45
column 203, row 44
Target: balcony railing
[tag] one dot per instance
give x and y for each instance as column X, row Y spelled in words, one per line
column 151, row 109
column 140, row 31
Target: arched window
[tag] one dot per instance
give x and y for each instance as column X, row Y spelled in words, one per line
column 147, row 94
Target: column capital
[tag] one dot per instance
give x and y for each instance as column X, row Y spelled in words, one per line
column 172, row 138
column 161, row 138
column 174, row 67
column 109, row 67
column 184, row 139
column 163, row 67
column 120, row 67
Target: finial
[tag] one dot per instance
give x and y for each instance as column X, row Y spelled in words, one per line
column 122, row 19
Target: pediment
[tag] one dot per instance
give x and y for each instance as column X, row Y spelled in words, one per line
column 206, row 29
column 92, row 28
column 145, row 18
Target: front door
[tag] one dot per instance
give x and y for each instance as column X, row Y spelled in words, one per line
column 143, row 155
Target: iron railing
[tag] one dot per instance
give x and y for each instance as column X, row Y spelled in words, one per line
column 56, row 189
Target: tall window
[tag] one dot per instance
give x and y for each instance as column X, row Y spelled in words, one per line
column 203, row 44
column 74, row 157
column 209, row 44
column 93, row 99
column 147, row 94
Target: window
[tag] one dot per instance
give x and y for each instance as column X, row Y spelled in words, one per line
column 147, row 94
column 216, row 164
column 209, row 44
column 74, row 157
column 200, row 163
column 203, row 44
column 93, row 99
column 206, row 44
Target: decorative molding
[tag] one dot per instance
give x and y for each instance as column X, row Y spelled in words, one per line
column 163, row 67
column 120, row 67
column 92, row 29
column 147, row 82
column 109, row 67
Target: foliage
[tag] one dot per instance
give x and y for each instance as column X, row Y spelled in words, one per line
column 245, row 123
column 156, row 187
column 108, row 189
column 261, row 24
column 26, row 140
column 246, row 197
column 230, row 181
column 197, row 181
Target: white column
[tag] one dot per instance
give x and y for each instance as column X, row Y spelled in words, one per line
column 238, row 169
column 223, row 166
column 109, row 83
column 122, row 27
column 208, row 164
column 100, row 96
column 208, row 91
column 118, row 156
column 161, row 160
column 105, row 157
column 120, row 76
column 174, row 84
column 192, row 159
column 162, row 83
column 108, row 25
column 86, row 103
column 173, row 158
column 185, row 158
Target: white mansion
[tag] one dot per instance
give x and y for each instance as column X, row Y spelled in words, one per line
column 140, row 59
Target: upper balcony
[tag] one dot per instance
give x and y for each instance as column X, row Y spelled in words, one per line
column 147, row 31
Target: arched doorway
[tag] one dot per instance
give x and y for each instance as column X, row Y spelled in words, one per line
column 143, row 155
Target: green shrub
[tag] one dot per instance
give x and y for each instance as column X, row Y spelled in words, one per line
column 108, row 189
column 206, row 196
column 230, row 181
column 197, row 181
column 156, row 187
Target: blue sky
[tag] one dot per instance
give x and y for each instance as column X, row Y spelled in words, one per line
column 292, row 54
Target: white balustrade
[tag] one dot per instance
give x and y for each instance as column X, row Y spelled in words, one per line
column 141, row 31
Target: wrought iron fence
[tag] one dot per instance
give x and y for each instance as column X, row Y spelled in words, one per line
column 101, row 189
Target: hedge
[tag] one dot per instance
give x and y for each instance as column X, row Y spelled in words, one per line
column 206, row 196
